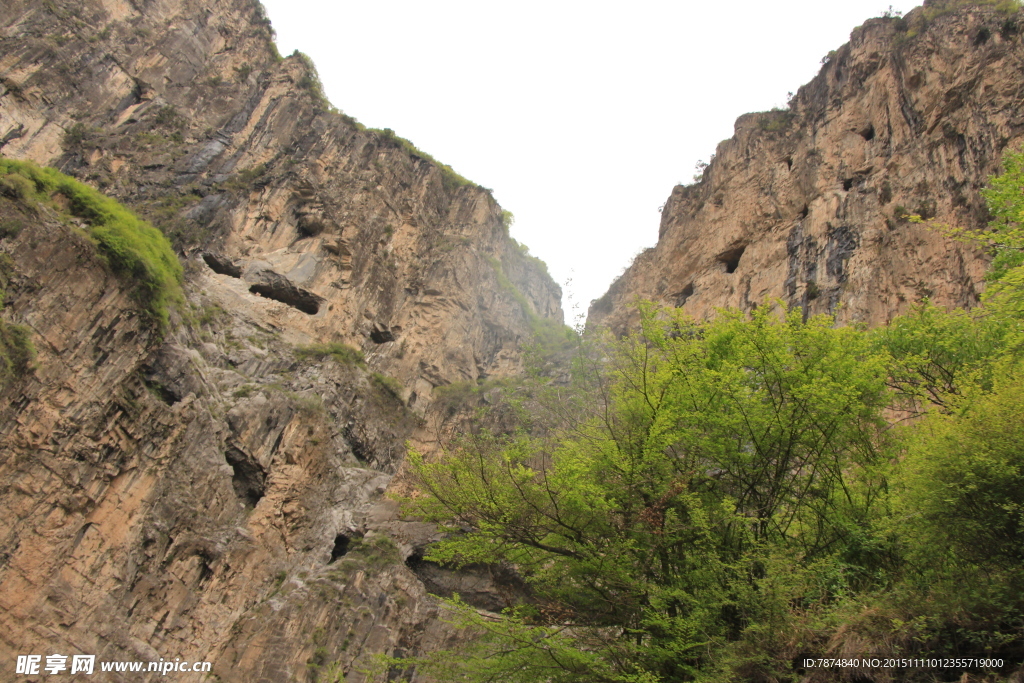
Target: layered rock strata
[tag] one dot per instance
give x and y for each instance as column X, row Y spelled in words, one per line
column 215, row 492
column 809, row 204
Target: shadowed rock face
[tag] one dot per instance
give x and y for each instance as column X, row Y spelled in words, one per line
column 807, row 205
column 222, row 265
column 184, row 495
column 279, row 288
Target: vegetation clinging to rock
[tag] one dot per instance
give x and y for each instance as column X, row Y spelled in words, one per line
column 918, row 21
column 16, row 348
column 134, row 248
column 449, row 177
column 342, row 353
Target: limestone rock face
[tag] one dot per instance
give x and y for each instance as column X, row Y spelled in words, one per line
column 807, row 204
column 185, row 114
column 176, row 500
column 217, row 492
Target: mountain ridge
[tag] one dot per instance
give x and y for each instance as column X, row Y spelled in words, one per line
column 808, row 204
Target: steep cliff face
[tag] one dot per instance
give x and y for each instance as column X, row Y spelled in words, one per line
column 185, row 113
column 807, row 204
column 192, row 499
column 216, row 492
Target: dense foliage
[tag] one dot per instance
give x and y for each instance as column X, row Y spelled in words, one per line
column 133, row 247
column 720, row 500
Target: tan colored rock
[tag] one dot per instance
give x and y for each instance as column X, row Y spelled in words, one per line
column 185, row 496
column 806, row 204
column 184, row 499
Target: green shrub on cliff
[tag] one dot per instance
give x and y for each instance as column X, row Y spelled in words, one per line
column 133, row 248
column 342, row 353
column 16, row 349
column 449, row 178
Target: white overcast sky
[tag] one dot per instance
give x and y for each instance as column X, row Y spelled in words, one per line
column 581, row 116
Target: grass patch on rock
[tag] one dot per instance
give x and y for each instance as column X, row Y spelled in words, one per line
column 135, row 250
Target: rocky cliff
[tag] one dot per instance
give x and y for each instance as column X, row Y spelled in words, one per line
column 214, row 490
column 808, row 204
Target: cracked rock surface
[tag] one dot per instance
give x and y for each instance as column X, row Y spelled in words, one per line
column 808, row 204
column 183, row 495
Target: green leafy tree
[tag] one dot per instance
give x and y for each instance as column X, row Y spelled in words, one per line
column 711, row 499
column 671, row 523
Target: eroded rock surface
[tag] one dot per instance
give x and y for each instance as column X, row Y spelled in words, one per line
column 214, row 493
column 807, row 204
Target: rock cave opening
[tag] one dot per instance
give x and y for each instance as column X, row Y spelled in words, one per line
column 221, row 265
column 340, row 549
column 682, row 296
column 381, row 334
column 248, row 480
column 731, row 258
column 293, row 296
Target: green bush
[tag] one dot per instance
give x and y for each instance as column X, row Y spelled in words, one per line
column 134, row 248
column 16, row 352
column 775, row 121
column 388, row 384
column 244, row 180
column 675, row 521
column 310, row 81
column 79, row 135
column 18, row 187
column 169, row 117
column 342, row 353
column 11, row 228
column 964, row 477
column 16, row 349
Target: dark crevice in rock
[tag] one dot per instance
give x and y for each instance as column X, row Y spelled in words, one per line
column 359, row 449
column 341, row 544
column 682, row 296
column 206, row 560
column 484, row 586
column 381, row 334
column 221, row 265
column 249, row 479
column 842, row 243
column 731, row 258
column 310, row 219
column 868, row 133
column 287, row 293
column 79, row 536
column 160, row 391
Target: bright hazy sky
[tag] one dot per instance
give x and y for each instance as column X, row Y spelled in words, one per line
column 581, row 116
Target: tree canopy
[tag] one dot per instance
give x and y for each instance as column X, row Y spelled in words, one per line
column 722, row 499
